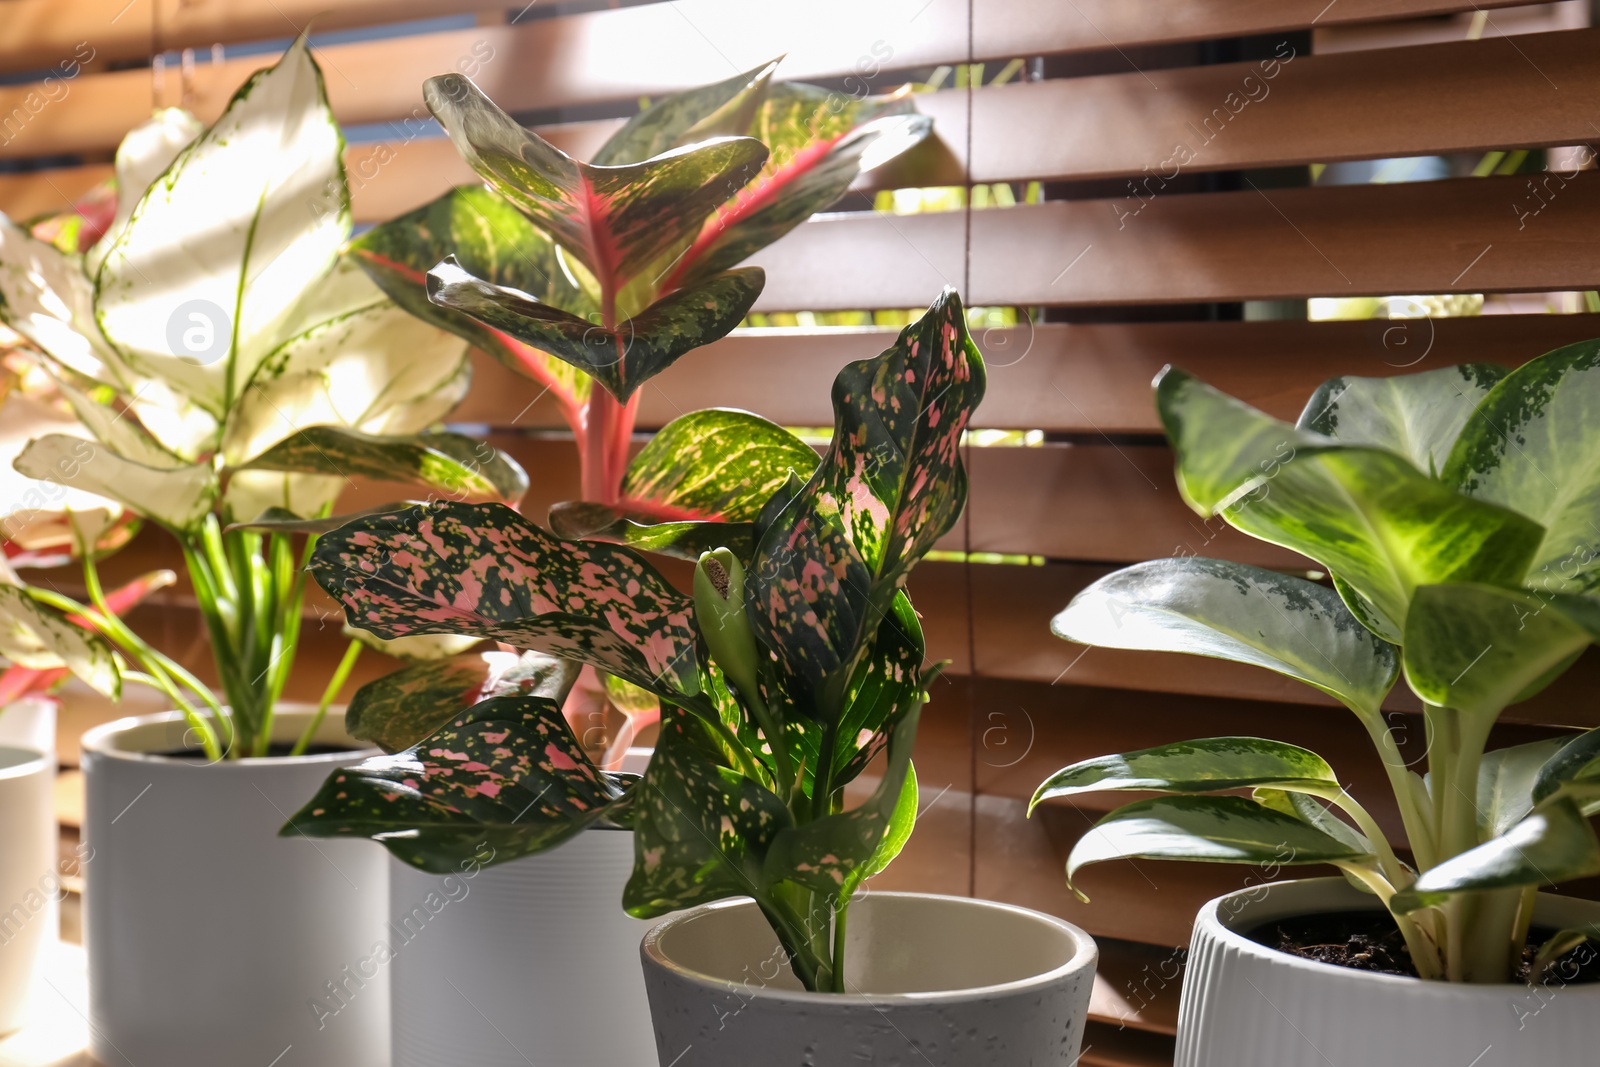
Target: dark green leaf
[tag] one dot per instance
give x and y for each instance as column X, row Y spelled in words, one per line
column 1577, row 760
column 449, row 462
column 621, row 359
column 614, row 220
column 1236, row 612
column 1418, row 416
column 1532, row 447
column 401, row 709
column 485, row 571
column 1553, row 844
column 701, row 830
column 1208, row 829
column 490, row 239
column 577, row 520
column 890, row 485
column 714, row 464
column 725, row 108
column 282, row 520
column 508, row 773
column 1205, row 766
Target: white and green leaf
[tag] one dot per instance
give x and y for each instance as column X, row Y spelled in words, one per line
column 1208, row 765
column 176, row 498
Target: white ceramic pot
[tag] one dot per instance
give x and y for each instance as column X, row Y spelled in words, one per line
column 934, row 981
column 29, row 723
column 211, row 940
column 1246, row 1005
column 30, row 885
column 532, row 961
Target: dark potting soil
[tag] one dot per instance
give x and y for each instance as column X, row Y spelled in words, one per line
column 277, row 751
column 1370, row 941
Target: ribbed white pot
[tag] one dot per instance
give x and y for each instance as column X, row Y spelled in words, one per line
column 532, row 961
column 30, row 886
column 933, row 981
column 1246, row 1005
column 211, row 940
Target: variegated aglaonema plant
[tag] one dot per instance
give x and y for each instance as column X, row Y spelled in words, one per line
column 1455, row 512
column 233, row 370
column 592, row 278
column 795, row 661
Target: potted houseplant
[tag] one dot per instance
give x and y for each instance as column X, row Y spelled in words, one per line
column 234, row 370
column 589, row 305
column 1453, row 510
column 797, row 659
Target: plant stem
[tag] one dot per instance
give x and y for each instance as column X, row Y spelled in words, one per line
column 1424, row 952
column 775, row 740
column 841, row 912
column 336, row 683
column 1392, row 868
column 1419, row 828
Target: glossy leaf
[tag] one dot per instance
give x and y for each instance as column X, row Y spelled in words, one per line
column 1478, row 648
column 1236, row 612
column 1205, row 766
column 1553, row 844
column 270, row 175
column 1379, row 525
column 581, row 521
column 621, row 359
column 1418, row 416
column 1531, row 447
column 836, row 853
column 448, row 462
column 614, row 220
column 1308, row 809
column 485, row 571
column 890, row 485
column 725, row 108
column 1209, row 829
column 701, row 829
column 889, row 684
column 144, row 154
column 401, row 709
column 490, row 240
column 1506, row 780
column 1578, row 760
column 507, row 773
column 820, row 142
column 176, row 498
column 717, row 464
column 35, row 637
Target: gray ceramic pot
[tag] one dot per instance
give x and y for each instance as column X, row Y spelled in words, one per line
column 934, row 981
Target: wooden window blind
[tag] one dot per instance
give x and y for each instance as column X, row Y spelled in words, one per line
column 1177, row 145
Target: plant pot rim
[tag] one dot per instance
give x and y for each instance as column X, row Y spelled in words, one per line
column 1085, row 956
column 32, row 761
column 102, row 741
column 1342, row 896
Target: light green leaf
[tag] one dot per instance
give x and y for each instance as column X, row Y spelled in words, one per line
column 1478, row 648
column 1553, row 844
column 448, row 462
column 1308, row 809
column 1532, row 447
column 1558, row 945
column 246, row 220
column 1506, row 779
column 1207, row 829
column 1240, row 613
column 176, row 498
column 1205, row 766
column 714, row 464
column 45, row 297
column 1418, row 416
column 725, row 108
column 1381, row 527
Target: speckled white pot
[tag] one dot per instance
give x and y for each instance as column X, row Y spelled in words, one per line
column 30, row 886
column 936, row 982
column 1246, row 1005
column 212, row 941
column 532, row 961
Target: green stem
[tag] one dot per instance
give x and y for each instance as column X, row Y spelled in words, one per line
column 1424, row 952
column 1392, row 868
column 1419, row 828
column 841, row 912
column 776, row 739
column 336, row 683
